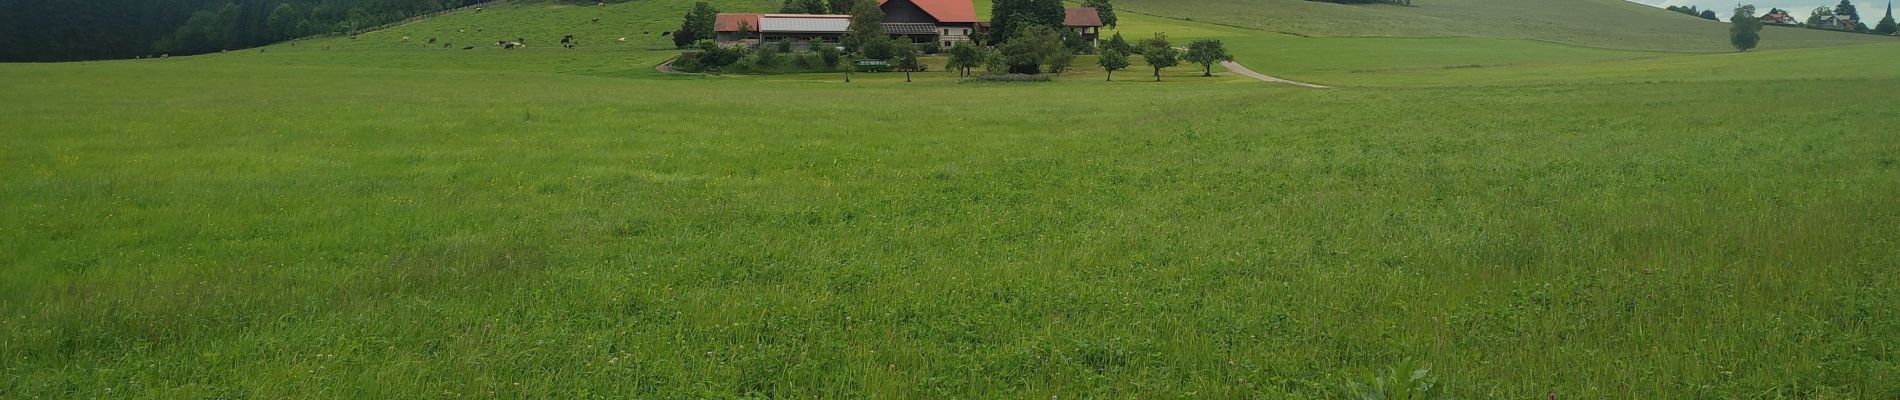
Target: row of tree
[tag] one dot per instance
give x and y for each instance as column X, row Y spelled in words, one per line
column 1036, row 50
column 1693, row 12
column 69, row 30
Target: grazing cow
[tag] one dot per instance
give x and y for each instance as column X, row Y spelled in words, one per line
column 431, row 40
column 567, row 41
column 623, row 40
column 596, row 20
column 405, row 38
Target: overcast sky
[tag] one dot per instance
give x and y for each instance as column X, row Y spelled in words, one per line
column 1870, row 10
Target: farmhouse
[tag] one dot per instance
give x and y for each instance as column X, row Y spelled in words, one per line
column 1836, row 22
column 921, row 21
column 1085, row 21
column 752, row 29
column 1779, row 17
column 946, row 22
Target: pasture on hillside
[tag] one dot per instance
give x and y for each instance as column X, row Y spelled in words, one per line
column 375, row 218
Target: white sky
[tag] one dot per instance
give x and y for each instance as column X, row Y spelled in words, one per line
column 1870, row 10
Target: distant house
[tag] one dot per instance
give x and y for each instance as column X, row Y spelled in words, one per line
column 945, row 22
column 1085, row 21
column 921, row 21
column 752, row 29
column 1835, row 22
column 1779, row 17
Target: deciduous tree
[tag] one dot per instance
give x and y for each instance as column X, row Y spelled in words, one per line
column 803, row 7
column 907, row 60
column 1207, row 52
column 1032, row 48
column 867, row 22
column 1745, row 30
column 1160, row 53
column 697, row 25
column 963, row 57
column 1113, row 60
column 1847, row 10
column 1009, row 16
column 1116, row 43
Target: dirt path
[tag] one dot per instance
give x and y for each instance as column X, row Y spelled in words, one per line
column 666, row 67
column 1241, row 69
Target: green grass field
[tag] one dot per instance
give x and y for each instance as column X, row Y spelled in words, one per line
column 372, row 218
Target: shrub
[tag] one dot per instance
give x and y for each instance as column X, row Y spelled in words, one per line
column 713, row 57
column 1005, row 78
column 827, row 53
column 933, row 47
column 994, row 63
column 805, row 61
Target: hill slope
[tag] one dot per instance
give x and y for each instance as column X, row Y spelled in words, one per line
column 1599, row 23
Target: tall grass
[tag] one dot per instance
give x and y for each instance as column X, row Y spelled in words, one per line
column 208, row 227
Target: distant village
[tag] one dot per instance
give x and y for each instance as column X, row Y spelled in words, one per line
column 1844, row 17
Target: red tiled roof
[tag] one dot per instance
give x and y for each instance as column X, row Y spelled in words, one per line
column 729, row 22
column 1085, row 16
column 946, row 10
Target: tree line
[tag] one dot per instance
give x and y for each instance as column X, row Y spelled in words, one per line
column 72, row 30
column 1693, row 12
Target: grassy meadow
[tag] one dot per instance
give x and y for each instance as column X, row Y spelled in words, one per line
column 372, row 218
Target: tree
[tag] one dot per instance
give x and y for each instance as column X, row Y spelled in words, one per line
column 880, row 47
column 1160, row 54
column 1113, row 60
column 994, row 63
column 828, row 53
column 803, row 7
column 907, row 60
column 1887, row 26
column 1820, row 13
column 1745, row 32
column 964, row 56
column 698, row 25
column 867, row 22
column 1104, row 9
column 1033, row 47
column 1846, row 10
column 1009, row 16
column 1207, row 52
column 1709, row 15
column 1116, row 43
column 841, row 6
column 1059, row 61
